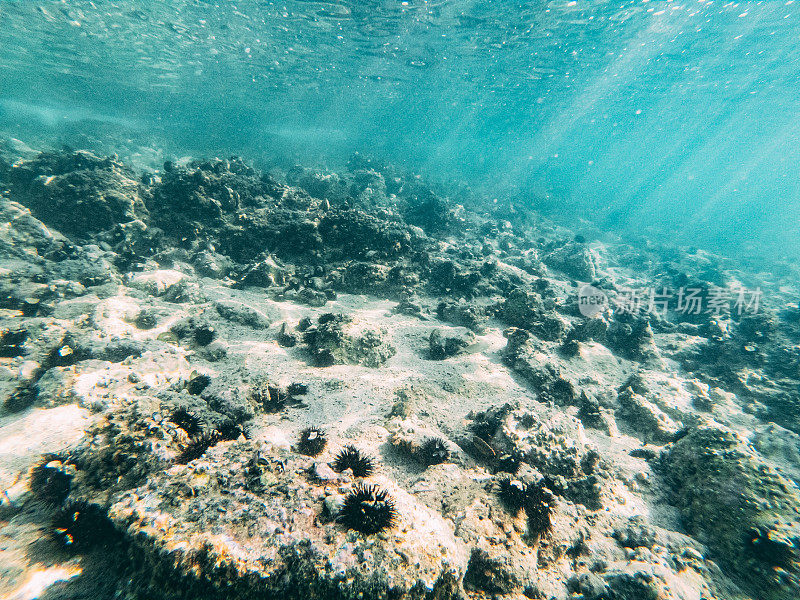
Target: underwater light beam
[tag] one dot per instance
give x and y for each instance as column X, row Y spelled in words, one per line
column 627, row 66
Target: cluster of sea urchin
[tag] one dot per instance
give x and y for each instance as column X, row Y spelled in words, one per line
column 433, row 451
column 368, row 509
column 535, row 499
column 352, row 458
column 312, row 441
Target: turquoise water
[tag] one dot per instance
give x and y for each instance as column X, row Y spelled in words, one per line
column 677, row 119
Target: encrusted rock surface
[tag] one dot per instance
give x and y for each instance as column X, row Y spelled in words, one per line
column 745, row 508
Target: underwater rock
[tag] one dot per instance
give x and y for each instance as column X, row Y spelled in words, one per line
column 358, row 277
column 633, row 586
column 196, row 197
column 525, row 309
column 429, row 212
column 263, row 272
column 555, row 447
column 309, row 297
column 28, row 237
column 645, row 417
column 197, row 331
column 212, row 264
column 337, row 339
column 745, row 509
column 12, row 342
column 491, row 575
column 352, row 234
column 77, row 192
column 575, row 260
column 285, row 233
column 287, row 338
column 157, row 283
column 423, row 443
column 289, row 549
column 449, row 277
column 538, row 367
column 631, row 337
column 243, row 314
column 443, row 344
column 319, row 184
column 465, row 314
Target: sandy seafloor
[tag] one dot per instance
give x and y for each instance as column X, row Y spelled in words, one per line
column 168, row 335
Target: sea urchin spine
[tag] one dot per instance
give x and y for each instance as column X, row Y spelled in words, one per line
column 535, row 499
column 312, row 441
column 50, row 481
column 80, row 526
column 352, row 458
column 197, row 446
column 433, row 451
column 513, row 494
column 368, row 509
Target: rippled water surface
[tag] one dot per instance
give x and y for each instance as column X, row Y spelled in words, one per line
column 680, row 117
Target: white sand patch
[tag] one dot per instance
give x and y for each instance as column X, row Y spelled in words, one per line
column 24, row 437
column 39, row 580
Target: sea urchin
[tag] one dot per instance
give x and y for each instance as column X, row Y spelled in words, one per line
column 312, row 441
column 433, row 451
column 539, row 504
column 352, row 458
column 368, row 509
column 197, row 446
column 79, row 526
column 50, row 481
column 535, row 499
column 513, row 494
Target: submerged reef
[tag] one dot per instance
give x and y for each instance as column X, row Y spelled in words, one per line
column 348, row 385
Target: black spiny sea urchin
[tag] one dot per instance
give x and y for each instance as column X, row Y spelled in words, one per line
column 535, row 499
column 80, row 526
column 197, row 446
column 539, row 505
column 312, row 441
column 50, row 482
column 368, row 509
column 513, row 493
column 433, row 451
column 507, row 463
column 352, row 458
